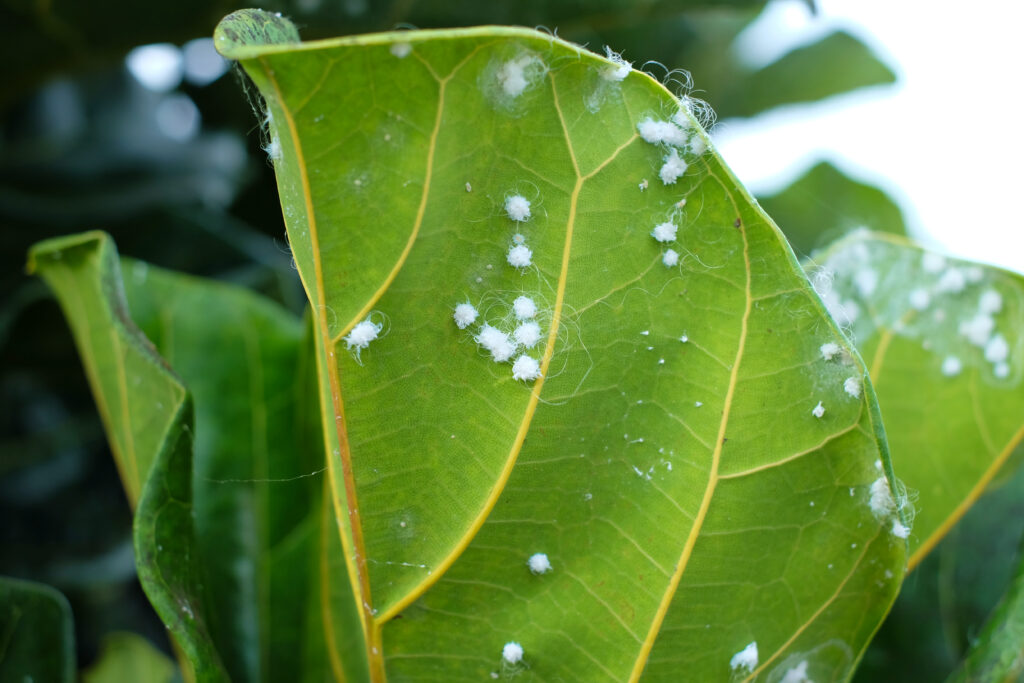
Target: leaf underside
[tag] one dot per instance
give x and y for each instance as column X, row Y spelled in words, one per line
column 688, row 499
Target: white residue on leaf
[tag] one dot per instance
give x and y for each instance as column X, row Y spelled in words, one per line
column 517, row 207
column 819, row 410
column 670, row 258
column 951, row 366
column 539, row 563
column 665, row 232
column 673, row 168
column 746, row 659
column 527, row 334
column 520, row 256
column 661, row 132
column 852, row 386
column 401, row 50
column 829, row 350
column 618, row 69
column 881, row 501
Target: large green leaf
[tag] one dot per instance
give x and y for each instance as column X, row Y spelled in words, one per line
column 37, row 641
column 667, row 460
column 943, row 343
column 148, row 418
column 259, row 555
column 824, row 204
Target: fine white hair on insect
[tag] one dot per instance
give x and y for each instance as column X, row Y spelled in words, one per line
column 401, row 50
column 673, row 168
column 512, row 653
column 528, row 334
column 517, row 207
column 619, row 67
column 746, row 659
column 539, row 563
column 670, row 258
column 496, row 342
column 519, row 256
column 524, row 308
column 852, row 386
column 818, row 411
column 665, row 232
column 829, row 350
column 526, row 369
column 465, row 315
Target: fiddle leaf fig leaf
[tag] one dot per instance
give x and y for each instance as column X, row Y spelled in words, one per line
column 942, row 341
column 579, row 421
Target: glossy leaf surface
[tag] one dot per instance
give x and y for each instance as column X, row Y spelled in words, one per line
column 942, row 339
column 667, row 461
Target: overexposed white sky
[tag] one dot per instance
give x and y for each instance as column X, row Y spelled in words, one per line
column 944, row 141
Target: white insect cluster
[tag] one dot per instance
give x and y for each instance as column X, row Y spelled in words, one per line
column 829, row 350
column 465, row 315
column 512, row 653
column 524, row 308
column 673, row 168
column 818, row 411
column 852, row 386
column 665, row 232
column 539, row 563
column 497, row 342
column 362, row 334
column 527, row 334
column 618, row 69
column 519, row 256
column 746, row 659
column 670, row 258
column 516, row 75
column 518, row 207
column 526, row 368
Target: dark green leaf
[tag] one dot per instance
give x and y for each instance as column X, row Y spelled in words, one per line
column 824, row 204
column 37, row 641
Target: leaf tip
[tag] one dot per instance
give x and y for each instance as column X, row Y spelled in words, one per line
column 240, row 33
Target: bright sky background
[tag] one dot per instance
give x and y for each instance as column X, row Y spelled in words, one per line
column 944, row 142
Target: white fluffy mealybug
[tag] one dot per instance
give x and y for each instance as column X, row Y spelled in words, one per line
column 978, row 329
column 818, row 411
column 401, row 50
column 698, row 145
column 619, row 68
column 658, row 132
column 524, row 308
column 951, row 366
column 852, row 386
column 990, row 301
column 497, row 342
column 673, row 168
column 520, row 256
column 670, row 258
column 465, row 315
column 362, row 334
column 829, row 350
column 899, row 530
column 516, row 74
column 517, row 207
column 525, row 369
column 919, row 298
column 682, row 117
column 932, row 263
column 745, row 659
column 273, row 148
column 952, row 281
column 997, row 350
column 512, row 653
column 881, row 501
column 665, row 232
column 866, row 281
column 527, row 334
column 539, row 563
column 798, row 674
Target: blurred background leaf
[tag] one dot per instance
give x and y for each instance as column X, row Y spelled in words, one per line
column 174, row 172
column 36, row 639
